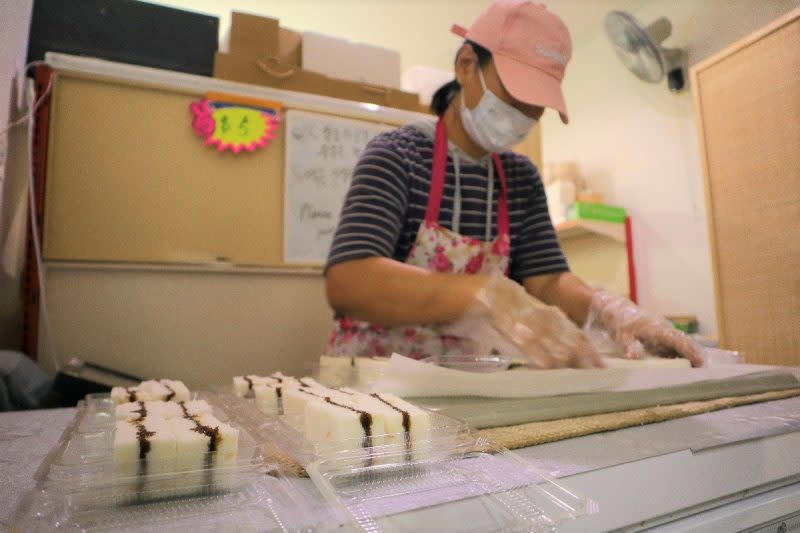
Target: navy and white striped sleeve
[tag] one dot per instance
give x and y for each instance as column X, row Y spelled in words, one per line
column 537, row 250
column 374, row 208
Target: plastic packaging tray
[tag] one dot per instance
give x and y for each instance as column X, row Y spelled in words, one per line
column 486, row 487
column 226, row 396
column 82, row 463
column 355, row 372
column 286, row 433
column 244, row 411
column 268, row 503
column 471, row 363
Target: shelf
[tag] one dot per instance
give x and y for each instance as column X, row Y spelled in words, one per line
column 577, row 228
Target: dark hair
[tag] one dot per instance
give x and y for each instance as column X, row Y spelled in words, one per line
column 445, row 94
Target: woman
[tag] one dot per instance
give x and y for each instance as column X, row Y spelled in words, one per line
column 445, row 245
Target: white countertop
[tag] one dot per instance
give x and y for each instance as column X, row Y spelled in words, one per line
column 689, row 469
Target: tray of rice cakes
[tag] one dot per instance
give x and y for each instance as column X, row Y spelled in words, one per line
column 153, row 441
column 158, row 456
column 308, row 420
column 376, row 457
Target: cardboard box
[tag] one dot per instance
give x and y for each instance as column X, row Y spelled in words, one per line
column 365, row 92
column 257, row 50
column 290, row 47
column 252, row 35
column 272, row 73
column 256, row 36
column 342, row 59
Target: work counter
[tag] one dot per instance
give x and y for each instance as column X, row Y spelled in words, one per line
column 723, row 471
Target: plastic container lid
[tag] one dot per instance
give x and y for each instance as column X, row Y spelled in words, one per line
column 471, row 363
column 264, row 503
column 286, row 433
column 82, row 463
column 477, row 486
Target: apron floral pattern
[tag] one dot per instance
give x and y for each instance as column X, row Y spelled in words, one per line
column 440, row 250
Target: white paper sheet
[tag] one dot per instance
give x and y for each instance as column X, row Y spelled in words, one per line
column 410, row 378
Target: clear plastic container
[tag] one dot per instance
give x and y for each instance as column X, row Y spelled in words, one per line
column 266, row 502
column 82, row 464
column 287, row 436
column 355, row 372
column 470, row 486
column 717, row 357
column 471, row 363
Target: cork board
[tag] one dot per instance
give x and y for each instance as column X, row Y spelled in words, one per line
column 128, row 180
column 748, row 103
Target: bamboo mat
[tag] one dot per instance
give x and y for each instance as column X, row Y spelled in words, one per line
column 531, row 434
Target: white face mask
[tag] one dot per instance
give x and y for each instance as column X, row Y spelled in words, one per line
column 495, row 125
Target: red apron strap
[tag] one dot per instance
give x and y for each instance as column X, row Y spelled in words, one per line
column 502, row 207
column 438, row 176
column 437, row 173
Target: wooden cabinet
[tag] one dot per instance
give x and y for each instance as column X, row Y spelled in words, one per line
column 747, row 100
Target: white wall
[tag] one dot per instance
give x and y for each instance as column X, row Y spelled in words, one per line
column 637, row 143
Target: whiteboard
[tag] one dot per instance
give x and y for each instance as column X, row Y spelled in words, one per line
column 321, row 153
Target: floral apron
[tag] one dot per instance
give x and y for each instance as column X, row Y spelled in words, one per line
column 441, row 250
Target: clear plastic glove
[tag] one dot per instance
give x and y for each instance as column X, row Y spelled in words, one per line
column 637, row 332
column 505, row 319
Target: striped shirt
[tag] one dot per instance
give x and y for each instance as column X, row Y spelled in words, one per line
column 385, row 204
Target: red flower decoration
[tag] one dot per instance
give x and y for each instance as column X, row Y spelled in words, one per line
column 475, row 264
column 441, row 263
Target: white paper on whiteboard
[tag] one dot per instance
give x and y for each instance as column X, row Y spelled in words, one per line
column 321, row 153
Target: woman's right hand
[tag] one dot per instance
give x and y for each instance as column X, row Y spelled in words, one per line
column 506, row 319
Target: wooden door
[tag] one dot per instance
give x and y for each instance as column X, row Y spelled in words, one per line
column 748, row 104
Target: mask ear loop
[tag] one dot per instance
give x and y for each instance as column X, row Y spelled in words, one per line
column 483, row 86
column 483, row 81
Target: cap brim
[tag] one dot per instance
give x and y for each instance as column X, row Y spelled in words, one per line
column 530, row 85
column 461, row 31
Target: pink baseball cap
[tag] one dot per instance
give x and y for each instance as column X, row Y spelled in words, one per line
column 531, row 48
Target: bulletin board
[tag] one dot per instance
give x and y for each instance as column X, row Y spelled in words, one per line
column 129, row 181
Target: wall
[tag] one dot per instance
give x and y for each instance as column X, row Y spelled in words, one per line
column 637, row 143
column 202, row 327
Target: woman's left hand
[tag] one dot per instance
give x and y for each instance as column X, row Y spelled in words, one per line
column 638, row 332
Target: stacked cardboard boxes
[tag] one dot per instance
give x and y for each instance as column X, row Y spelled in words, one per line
column 259, row 51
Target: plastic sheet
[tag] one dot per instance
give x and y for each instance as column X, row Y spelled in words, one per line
column 486, row 487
